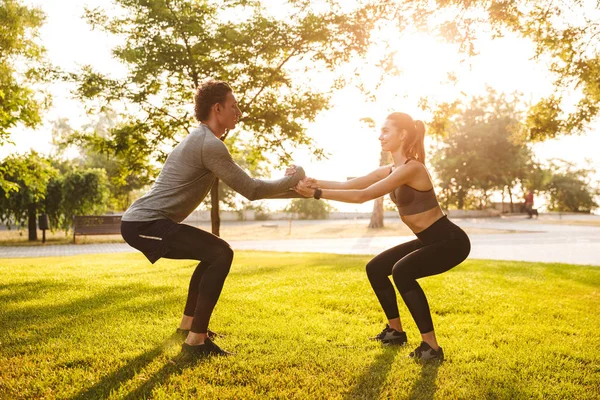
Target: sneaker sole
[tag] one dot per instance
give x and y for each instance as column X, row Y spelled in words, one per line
column 438, row 359
column 394, row 342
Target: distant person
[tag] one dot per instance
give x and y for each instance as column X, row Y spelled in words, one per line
column 153, row 222
column 529, row 204
column 440, row 244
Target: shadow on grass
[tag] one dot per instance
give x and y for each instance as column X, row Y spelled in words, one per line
column 373, row 378
column 66, row 311
column 425, row 387
column 172, row 367
column 23, row 291
column 87, row 313
column 116, row 379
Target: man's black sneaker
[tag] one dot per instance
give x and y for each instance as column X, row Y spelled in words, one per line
column 203, row 350
column 184, row 333
column 425, row 353
column 391, row 336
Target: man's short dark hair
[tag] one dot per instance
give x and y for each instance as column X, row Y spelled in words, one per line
column 209, row 93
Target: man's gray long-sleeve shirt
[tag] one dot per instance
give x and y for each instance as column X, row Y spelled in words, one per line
column 190, row 172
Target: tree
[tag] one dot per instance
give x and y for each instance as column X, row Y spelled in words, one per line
column 565, row 34
column 75, row 191
column 309, row 208
column 570, row 188
column 20, row 101
column 537, row 178
column 484, row 151
column 120, row 182
column 48, row 186
column 31, row 174
column 171, row 45
column 376, row 221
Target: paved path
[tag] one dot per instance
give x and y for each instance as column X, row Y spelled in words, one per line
column 534, row 242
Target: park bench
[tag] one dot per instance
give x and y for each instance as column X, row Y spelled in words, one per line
column 96, row 225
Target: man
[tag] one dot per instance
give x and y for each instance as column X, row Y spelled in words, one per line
column 153, row 222
column 529, row 204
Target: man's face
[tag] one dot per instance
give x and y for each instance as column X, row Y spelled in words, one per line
column 229, row 114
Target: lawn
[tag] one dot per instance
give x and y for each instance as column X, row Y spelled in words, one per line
column 100, row 326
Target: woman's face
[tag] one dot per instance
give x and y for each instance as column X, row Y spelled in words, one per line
column 390, row 137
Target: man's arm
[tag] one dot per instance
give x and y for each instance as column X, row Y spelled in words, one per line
column 290, row 194
column 217, row 159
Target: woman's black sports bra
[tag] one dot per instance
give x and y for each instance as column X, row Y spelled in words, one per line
column 412, row 201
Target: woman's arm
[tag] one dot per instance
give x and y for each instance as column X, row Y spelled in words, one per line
column 361, row 182
column 398, row 177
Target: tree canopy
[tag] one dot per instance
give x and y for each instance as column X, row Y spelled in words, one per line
column 170, row 46
column 59, row 189
column 21, row 67
column 30, row 173
column 565, row 36
column 570, row 188
column 483, row 151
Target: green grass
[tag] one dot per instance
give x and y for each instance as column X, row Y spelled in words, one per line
column 100, row 326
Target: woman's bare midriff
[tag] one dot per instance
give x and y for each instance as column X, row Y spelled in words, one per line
column 419, row 222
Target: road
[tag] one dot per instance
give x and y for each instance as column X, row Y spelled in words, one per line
column 533, row 241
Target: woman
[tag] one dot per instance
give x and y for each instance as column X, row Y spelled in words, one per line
column 440, row 244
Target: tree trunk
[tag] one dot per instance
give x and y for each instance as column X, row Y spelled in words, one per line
column 215, row 219
column 377, row 214
column 31, row 222
column 511, row 200
column 460, row 196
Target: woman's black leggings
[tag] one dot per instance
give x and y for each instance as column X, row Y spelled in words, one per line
column 437, row 249
column 207, row 281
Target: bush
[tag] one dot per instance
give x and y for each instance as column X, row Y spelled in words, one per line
column 309, row 208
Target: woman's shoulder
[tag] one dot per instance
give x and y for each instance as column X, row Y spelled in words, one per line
column 414, row 166
column 419, row 173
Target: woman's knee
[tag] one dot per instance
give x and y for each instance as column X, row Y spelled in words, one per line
column 403, row 279
column 373, row 269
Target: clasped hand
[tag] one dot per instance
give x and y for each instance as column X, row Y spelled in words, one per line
column 306, row 186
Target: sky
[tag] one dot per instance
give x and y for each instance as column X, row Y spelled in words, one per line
column 503, row 64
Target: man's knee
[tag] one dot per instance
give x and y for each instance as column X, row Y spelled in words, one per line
column 224, row 255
